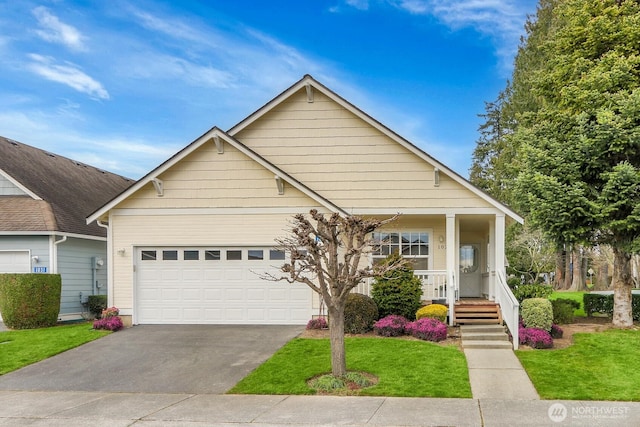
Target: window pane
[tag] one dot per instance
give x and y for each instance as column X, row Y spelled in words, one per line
column 191, row 255
column 256, row 254
column 468, row 258
column 148, row 255
column 212, row 255
column 275, row 254
column 169, row 255
column 234, row 255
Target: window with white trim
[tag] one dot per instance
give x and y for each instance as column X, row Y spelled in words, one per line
column 411, row 244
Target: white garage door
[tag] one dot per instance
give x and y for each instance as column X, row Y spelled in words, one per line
column 216, row 285
column 15, row 262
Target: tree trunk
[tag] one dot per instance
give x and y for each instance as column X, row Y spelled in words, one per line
column 567, row 270
column 622, row 285
column 602, row 280
column 559, row 277
column 336, row 334
column 577, row 283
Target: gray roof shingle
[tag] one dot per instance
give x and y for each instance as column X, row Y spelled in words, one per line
column 69, row 190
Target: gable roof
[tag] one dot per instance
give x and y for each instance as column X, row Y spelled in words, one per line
column 310, row 84
column 59, row 192
column 209, row 137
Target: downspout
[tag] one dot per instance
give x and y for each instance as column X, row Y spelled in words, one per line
column 109, row 263
column 54, row 255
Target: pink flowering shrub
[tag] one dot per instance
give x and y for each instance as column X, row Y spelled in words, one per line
column 556, row 331
column 317, row 323
column 390, row 326
column 428, row 329
column 113, row 323
column 109, row 320
column 110, row 312
column 535, row 337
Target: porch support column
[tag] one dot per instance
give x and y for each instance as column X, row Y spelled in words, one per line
column 492, row 260
column 451, row 264
column 499, row 245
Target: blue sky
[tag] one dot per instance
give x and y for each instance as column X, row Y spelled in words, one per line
column 123, row 85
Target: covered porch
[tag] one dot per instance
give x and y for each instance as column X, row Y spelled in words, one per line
column 460, row 259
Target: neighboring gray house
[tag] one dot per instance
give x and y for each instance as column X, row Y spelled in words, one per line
column 44, row 200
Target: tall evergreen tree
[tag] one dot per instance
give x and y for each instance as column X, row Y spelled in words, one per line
column 579, row 149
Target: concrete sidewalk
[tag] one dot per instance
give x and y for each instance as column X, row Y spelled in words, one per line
column 21, row 408
column 498, row 374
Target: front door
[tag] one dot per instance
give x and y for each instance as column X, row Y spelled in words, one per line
column 470, row 274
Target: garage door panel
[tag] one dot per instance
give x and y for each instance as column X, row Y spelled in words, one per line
column 212, row 275
column 234, row 295
column 213, row 294
column 192, row 294
column 18, row 261
column 204, row 290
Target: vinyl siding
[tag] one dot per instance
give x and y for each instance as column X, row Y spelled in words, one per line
column 39, row 246
column 7, row 188
column 75, row 268
column 208, row 179
column 347, row 161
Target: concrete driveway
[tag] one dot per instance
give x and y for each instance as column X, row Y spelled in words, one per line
column 193, row 359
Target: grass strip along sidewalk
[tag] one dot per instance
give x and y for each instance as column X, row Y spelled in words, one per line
column 20, row 348
column 408, row 368
column 598, row 366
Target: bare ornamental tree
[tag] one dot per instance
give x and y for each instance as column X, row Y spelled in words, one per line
column 328, row 253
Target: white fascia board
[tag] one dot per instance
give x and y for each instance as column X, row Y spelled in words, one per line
column 308, row 80
column 427, row 211
column 215, row 211
column 19, row 185
column 52, row 233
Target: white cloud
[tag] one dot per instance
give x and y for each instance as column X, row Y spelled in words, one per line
column 359, row 4
column 55, row 31
column 68, row 74
column 502, row 20
column 131, row 156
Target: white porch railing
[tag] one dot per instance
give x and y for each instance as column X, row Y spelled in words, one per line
column 509, row 305
column 434, row 284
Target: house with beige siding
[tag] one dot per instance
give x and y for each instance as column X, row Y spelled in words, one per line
column 189, row 241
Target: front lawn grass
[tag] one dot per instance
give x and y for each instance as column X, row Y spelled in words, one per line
column 598, row 366
column 405, row 368
column 576, row 296
column 23, row 347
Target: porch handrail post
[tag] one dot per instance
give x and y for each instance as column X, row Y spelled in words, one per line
column 451, row 264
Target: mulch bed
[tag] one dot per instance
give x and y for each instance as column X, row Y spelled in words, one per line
column 580, row 325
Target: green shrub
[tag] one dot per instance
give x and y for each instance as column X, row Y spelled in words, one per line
column 30, row 300
column 523, row 292
column 563, row 310
column 598, row 303
column 537, row 313
column 97, row 303
column 398, row 292
column 433, row 311
column 360, row 312
column 514, row 282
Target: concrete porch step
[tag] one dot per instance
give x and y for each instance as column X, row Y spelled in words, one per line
column 481, row 328
column 485, row 336
column 486, row 344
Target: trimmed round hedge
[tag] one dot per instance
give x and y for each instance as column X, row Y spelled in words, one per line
column 29, row 301
column 360, row 312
